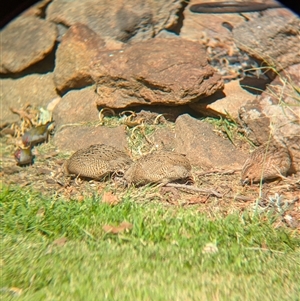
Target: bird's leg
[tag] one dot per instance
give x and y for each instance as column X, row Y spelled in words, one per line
column 77, row 180
column 163, row 182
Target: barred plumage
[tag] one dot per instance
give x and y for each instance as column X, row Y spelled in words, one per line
column 97, row 161
column 158, row 167
column 269, row 161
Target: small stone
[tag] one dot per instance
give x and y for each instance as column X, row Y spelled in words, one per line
column 203, row 147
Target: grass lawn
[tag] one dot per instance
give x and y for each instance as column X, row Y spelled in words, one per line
column 54, row 249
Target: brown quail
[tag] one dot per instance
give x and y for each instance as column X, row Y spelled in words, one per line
column 36, row 135
column 23, row 156
column 269, row 161
column 97, row 161
column 158, row 167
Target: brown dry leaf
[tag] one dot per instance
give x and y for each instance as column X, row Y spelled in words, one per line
column 43, row 171
column 110, row 199
column 10, row 170
column 8, row 131
column 264, row 246
column 197, row 200
column 170, row 194
column 24, row 183
column 50, row 155
column 210, row 248
column 80, row 198
column 22, row 113
column 15, row 291
column 60, row 242
column 40, row 212
column 51, row 181
column 124, row 226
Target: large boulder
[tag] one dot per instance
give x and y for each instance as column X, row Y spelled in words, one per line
column 155, row 72
column 225, row 103
column 77, row 49
column 78, row 106
column 73, row 138
column 203, row 147
column 121, row 20
column 275, row 43
column 24, row 42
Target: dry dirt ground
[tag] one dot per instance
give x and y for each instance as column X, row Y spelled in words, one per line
column 214, row 192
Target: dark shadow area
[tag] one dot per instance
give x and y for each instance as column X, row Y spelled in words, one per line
column 292, row 5
column 177, row 27
column 78, row 85
column 212, row 98
column 9, row 9
column 169, row 112
column 254, row 85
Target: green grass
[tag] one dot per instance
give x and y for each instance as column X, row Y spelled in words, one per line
column 160, row 258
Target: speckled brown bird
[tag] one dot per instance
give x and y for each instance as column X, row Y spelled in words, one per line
column 23, row 156
column 270, row 161
column 158, row 167
column 97, row 161
column 36, row 134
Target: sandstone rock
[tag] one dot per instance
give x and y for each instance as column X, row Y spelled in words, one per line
column 227, row 102
column 37, row 9
column 276, row 114
column 159, row 71
column 279, row 12
column 76, row 106
column 277, row 43
column 198, row 141
column 75, row 138
column 122, row 20
column 78, row 47
column 165, row 34
column 255, row 122
column 214, row 31
column 204, row 27
column 164, row 139
column 37, row 90
column 25, row 41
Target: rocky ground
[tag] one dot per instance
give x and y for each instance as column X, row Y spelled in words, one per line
column 217, row 188
column 154, row 76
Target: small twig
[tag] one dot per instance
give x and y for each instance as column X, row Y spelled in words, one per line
column 241, row 198
column 193, row 188
column 208, row 191
column 218, row 171
column 23, row 114
column 70, row 125
column 264, row 249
